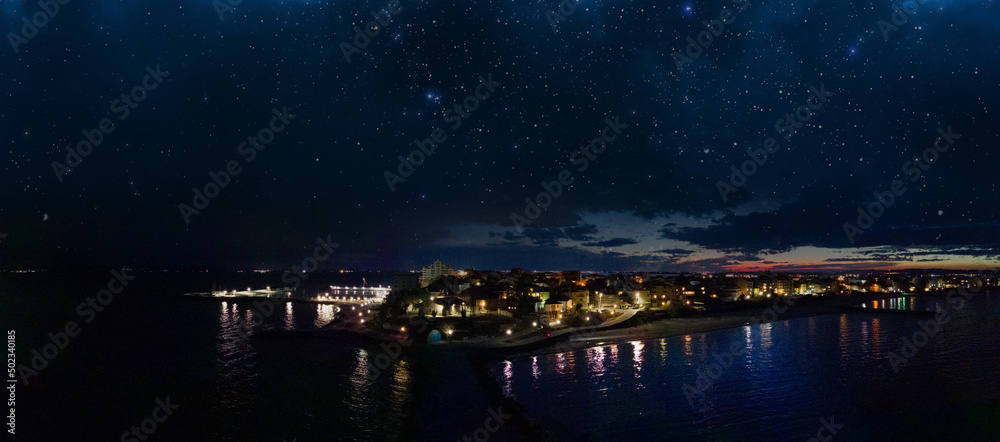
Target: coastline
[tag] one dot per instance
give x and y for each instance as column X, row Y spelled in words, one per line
column 456, row 381
column 481, row 359
column 477, row 380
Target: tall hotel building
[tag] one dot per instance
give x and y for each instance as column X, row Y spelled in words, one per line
column 434, row 271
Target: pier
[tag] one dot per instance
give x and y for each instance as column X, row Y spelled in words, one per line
column 337, row 294
column 365, row 294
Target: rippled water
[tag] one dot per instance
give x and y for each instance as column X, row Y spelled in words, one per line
column 911, row 303
column 784, row 377
column 317, row 388
column 149, row 343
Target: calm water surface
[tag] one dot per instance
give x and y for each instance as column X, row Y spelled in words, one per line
column 148, row 343
column 785, row 376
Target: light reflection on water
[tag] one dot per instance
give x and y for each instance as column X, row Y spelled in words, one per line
column 765, row 336
column 508, row 373
column 232, row 382
column 324, row 314
column 289, row 316
column 236, row 360
column 561, row 363
column 637, row 347
column 595, row 360
column 231, row 341
column 843, row 341
column 401, row 386
column 900, row 303
column 351, row 386
column 361, row 377
column 798, row 369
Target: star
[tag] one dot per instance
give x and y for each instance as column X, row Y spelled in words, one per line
column 687, row 9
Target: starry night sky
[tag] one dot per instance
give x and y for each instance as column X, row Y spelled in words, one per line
column 649, row 201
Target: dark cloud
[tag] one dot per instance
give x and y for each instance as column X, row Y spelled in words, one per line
column 614, row 242
column 681, row 252
column 583, row 232
column 548, row 236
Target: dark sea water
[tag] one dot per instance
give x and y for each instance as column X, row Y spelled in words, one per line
column 148, row 343
column 784, row 378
